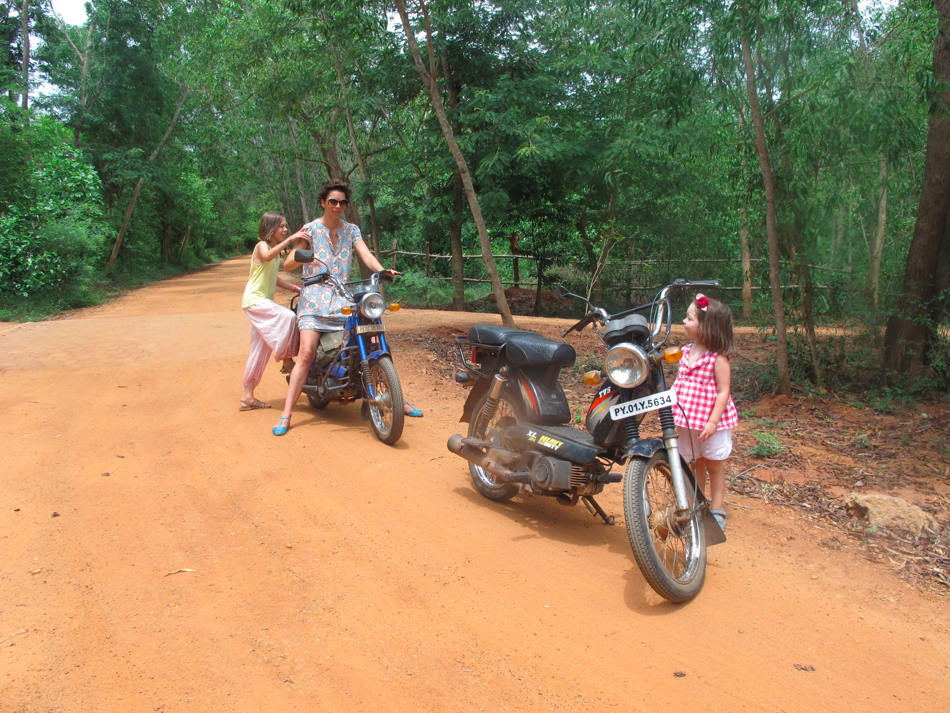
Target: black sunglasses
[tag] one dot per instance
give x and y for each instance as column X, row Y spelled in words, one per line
column 334, row 202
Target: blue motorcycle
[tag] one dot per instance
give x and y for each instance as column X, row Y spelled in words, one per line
column 356, row 363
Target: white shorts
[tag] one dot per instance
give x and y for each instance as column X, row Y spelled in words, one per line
column 718, row 447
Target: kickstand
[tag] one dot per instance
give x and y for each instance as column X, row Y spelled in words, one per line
column 596, row 509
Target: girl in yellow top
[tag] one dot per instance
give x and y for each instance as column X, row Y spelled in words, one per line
column 273, row 327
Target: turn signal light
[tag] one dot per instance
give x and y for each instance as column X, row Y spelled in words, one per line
column 672, row 355
column 592, row 378
column 347, row 310
column 394, row 307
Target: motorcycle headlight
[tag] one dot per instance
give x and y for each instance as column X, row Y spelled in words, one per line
column 372, row 305
column 626, row 365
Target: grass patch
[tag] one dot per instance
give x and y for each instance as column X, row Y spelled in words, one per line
column 767, row 445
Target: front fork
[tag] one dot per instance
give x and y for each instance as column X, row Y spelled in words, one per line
column 671, row 439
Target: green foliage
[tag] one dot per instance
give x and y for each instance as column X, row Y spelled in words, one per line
column 53, row 238
column 767, row 445
column 414, row 289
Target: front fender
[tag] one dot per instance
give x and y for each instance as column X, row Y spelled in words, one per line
column 644, row 448
column 377, row 354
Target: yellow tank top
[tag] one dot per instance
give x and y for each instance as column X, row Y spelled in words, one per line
column 261, row 284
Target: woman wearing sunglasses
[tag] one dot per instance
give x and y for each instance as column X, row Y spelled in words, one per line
column 320, row 308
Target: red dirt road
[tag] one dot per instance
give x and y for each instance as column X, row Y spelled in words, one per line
column 198, row 563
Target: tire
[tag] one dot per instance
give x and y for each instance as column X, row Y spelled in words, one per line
column 671, row 558
column 506, row 414
column 317, row 402
column 386, row 416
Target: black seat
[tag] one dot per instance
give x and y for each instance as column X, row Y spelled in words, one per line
column 524, row 348
column 492, row 334
column 528, row 348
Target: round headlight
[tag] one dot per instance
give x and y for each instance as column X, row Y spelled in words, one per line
column 626, row 365
column 372, row 305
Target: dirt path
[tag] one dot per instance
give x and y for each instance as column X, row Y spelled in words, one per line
column 197, row 563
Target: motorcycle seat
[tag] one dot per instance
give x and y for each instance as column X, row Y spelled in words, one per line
column 530, row 349
column 492, row 334
column 524, row 348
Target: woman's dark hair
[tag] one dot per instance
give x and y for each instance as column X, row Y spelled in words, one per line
column 333, row 185
column 270, row 221
column 715, row 327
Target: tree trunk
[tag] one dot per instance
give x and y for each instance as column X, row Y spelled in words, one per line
column 877, row 252
column 25, row 39
column 909, row 329
column 138, row 186
column 429, row 80
column 458, row 193
column 374, row 230
column 745, row 254
column 84, row 58
column 515, row 261
column 184, row 244
column 300, row 191
column 785, row 383
column 537, row 290
column 455, row 241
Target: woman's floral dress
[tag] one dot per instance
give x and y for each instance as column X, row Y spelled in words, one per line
column 320, row 306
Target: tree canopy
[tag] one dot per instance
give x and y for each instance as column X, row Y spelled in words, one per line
column 779, row 146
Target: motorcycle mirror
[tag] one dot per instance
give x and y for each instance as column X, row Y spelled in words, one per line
column 303, row 256
column 563, row 296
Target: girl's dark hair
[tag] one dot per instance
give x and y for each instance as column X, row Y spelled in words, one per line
column 715, row 327
column 270, row 222
column 333, row 185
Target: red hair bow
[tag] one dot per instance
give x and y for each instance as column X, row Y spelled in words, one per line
column 702, row 302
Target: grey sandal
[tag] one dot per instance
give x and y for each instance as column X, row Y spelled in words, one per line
column 720, row 516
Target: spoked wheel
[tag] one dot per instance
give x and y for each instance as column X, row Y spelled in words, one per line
column 505, row 415
column 671, row 555
column 386, row 415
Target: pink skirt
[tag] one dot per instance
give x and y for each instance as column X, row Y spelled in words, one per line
column 273, row 328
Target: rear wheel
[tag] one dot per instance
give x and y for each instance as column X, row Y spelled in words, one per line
column 506, row 414
column 671, row 555
column 386, row 415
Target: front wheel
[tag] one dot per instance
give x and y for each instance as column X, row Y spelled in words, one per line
column 671, row 555
column 386, row 415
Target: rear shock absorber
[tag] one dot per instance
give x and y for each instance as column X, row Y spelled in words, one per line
column 491, row 404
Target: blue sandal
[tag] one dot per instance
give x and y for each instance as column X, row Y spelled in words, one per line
column 414, row 413
column 720, row 516
column 280, row 430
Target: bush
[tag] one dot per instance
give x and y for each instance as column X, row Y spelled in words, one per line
column 51, row 247
column 416, row 290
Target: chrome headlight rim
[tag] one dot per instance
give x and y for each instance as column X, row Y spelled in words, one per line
column 372, row 305
column 637, row 353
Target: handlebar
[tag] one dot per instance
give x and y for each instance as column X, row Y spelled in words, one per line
column 661, row 309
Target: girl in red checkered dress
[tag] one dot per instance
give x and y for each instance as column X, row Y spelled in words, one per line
column 706, row 413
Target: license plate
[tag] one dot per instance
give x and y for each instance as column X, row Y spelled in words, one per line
column 369, row 328
column 647, row 403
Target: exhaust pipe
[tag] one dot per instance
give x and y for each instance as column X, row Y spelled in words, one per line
column 475, row 455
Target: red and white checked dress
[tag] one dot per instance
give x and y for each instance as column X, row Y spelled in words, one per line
column 696, row 393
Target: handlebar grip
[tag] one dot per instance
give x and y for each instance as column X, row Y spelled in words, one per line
column 704, row 283
column 383, row 277
column 316, row 278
